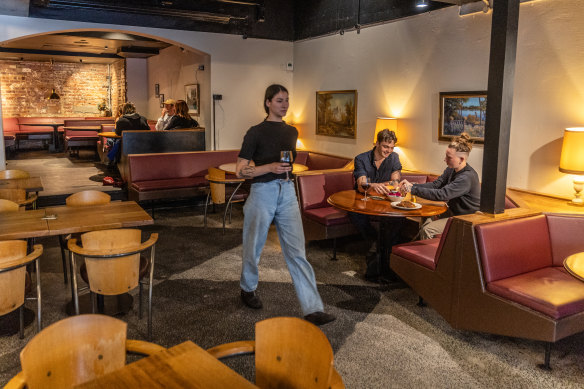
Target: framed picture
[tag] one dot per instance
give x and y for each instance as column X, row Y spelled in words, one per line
column 161, row 101
column 462, row 112
column 336, row 113
column 156, row 90
column 192, row 98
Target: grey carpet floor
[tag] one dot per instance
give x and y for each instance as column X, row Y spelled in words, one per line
column 381, row 339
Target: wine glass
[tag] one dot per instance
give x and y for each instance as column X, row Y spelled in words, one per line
column 365, row 184
column 286, row 157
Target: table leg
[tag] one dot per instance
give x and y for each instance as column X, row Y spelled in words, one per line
column 387, row 236
column 56, row 146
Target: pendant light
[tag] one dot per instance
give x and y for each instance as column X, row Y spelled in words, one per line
column 54, row 95
column 421, row 3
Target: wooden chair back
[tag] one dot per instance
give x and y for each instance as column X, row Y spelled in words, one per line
column 16, row 195
column 112, row 276
column 11, row 281
column 12, row 174
column 87, row 197
column 217, row 190
column 8, row 206
column 292, row 353
column 73, row 351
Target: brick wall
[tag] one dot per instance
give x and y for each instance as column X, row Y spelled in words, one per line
column 25, row 86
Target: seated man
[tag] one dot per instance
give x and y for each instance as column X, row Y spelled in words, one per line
column 167, row 113
column 382, row 167
column 458, row 185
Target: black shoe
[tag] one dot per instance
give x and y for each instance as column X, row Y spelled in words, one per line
column 251, row 299
column 319, row 318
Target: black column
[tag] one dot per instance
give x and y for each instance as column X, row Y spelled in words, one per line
column 499, row 104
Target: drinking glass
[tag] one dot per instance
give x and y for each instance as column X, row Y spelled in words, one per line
column 286, row 157
column 365, row 184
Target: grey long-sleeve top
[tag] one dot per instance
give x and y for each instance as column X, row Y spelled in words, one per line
column 461, row 190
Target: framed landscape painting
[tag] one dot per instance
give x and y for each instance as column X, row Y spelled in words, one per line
column 192, row 98
column 336, row 113
column 462, row 112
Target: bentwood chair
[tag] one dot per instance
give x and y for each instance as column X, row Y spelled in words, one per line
column 19, row 196
column 14, row 279
column 113, row 264
column 224, row 190
column 8, row 206
column 84, row 198
column 13, row 174
column 289, row 353
column 76, row 350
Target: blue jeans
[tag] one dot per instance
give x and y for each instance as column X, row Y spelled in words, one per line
column 276, row 201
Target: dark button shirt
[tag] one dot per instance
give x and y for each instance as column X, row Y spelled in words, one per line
column 365, row 166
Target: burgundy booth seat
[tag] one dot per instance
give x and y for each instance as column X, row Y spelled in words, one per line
column 320, row 220
column 418, row 178
column 173, row 175
column 77, row 139
column 321, row 161
column 519, row 263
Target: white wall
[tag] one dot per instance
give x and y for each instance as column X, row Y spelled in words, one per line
column 240, row 69
column 136, row 83
column 400, row 68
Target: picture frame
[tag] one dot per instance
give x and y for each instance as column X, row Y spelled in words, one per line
column 462, row 112
column 192, row 98
column 336, row 113
column 156, row 90
column 161, row 100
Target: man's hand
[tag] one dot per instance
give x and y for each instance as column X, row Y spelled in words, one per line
column 379, row 188
column 280, row 167
column 164, row 111
column 405, row 186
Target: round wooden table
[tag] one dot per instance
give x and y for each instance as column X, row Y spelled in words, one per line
column 574, row 264
column 230, row 167
column 352, row 201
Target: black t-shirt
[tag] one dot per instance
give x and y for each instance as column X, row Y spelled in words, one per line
column 133, row 122
column 263, row 143
column 177, row 122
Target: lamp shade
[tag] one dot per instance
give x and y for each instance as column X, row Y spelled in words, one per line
column 572, row 159
column 382, row 124
column 54, row 96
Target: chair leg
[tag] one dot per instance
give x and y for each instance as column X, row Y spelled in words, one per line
column 92, row 297
column 150, row 284
column 39, row 296
column 206, row 205
column 140, row 286
column 334, row 258
column 73, row 272
column 548, row 350
column 63, row 258
column 21, row 318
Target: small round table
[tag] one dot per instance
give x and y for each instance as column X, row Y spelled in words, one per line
column 352, row 201
column 230, row 167
column 574, row 264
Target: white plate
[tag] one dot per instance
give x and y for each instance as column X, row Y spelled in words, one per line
column 395, row 205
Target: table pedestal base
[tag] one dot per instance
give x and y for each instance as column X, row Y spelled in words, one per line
column 107, row 305
column 378, row 266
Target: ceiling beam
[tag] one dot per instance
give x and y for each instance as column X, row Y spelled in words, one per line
column 57, row 53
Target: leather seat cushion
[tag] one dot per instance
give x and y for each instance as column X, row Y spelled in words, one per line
column 422, row 252
column 173, row 183
column 328, row 216
column 551, row 291
column 144, row 269
column 77, row 138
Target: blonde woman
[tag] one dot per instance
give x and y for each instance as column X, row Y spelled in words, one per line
column 458, row 185
column 181, row 118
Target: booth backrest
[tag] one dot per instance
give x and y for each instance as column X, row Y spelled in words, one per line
column 146, row 142
column 315, row 189
column 146, row 167
column 512, row 247
column 88, row 122
column 442, row 240
column 418, row 178
column 566, row 236
column 110, row 127
column 10, row 125
column 318, row 161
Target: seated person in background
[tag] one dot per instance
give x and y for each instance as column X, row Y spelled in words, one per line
column 119, row 112
column 181, row 118
column 167, row 113
column 382, row 167
column 130, row 120
column 458, row 185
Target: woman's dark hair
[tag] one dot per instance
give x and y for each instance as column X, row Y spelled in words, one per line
column 182, row 109
column 386, row 136
column 272, row 91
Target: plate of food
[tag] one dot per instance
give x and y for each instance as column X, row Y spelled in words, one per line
column 406, row 205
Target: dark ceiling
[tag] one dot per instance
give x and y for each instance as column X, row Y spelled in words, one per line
column 288, row 20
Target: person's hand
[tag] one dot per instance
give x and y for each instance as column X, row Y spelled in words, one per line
column 379, row 188
column 405, row 186
column 280, row 167
column 163, row 111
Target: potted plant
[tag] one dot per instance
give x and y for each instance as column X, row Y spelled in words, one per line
column 103, row 108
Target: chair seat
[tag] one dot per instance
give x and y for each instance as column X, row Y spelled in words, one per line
column 144, row 269
column 551, row 291
column 173, row 183
column 328, row 216
column 422, row 252
column 74, row 138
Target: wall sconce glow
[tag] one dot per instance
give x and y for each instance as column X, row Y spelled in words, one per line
column 421, row 3
column 383, row 123
column 299, row 145
column 572, row 159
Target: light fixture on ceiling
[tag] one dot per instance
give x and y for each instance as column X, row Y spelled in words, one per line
column 54, row 95
column 421, row 3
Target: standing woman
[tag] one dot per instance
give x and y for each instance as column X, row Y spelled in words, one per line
column 273, row 198
column 181, row 118
column 458, row 185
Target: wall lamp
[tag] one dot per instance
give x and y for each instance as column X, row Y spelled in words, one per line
column 421, row 3
column 572, row 160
